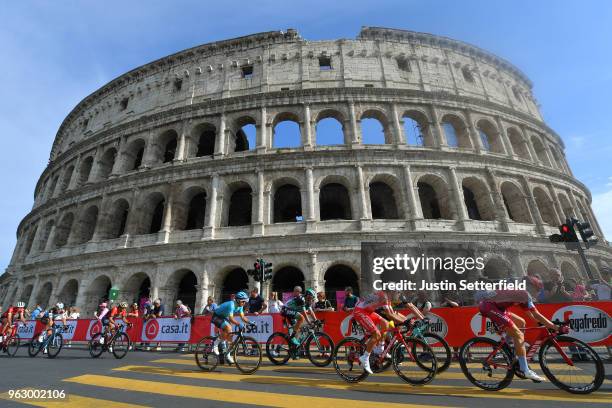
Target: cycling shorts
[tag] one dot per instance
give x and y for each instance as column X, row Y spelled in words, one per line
column 105, row 321
column 44, row 320
column 219, row 321
column 499, row 317
column 290, row 314
column 367, row 320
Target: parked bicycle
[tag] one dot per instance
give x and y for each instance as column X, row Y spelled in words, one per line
column 569, row 363
column 52, row 343
column 412, row 359
column 245, row 351
column 117, row 343
column 314, row 344
column 10, row 342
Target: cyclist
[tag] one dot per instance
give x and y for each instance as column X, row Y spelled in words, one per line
column 223, row 319
column 9, row 315
column 102, row 315
column 494, row 304
column 365, row 314
column 297, row 309
column 118, row 312
column 48, row 319
column 396, row 317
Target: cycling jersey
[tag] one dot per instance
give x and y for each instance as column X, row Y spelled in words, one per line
column 493, row 304
column 116, row 314
column 12, row 311
column 227, row 309
column 372, row 302
column 297, row 304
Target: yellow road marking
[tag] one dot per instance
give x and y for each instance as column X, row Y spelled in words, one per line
column 379, row 387
column 72, row 401
column 268, row 399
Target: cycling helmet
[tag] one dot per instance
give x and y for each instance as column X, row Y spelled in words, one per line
column 123, row 305
column 103, row 304
column 59, row 305
column 20, row 304
column 311, row 292
column 242, row 296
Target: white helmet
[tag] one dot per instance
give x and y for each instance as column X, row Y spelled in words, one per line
column 20, row 304
column 59, row 305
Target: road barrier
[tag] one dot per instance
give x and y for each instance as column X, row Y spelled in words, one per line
column 589, row 321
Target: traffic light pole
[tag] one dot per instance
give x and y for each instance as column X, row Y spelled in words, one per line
column 584, row 261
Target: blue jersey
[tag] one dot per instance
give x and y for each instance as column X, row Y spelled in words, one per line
column 228, row 309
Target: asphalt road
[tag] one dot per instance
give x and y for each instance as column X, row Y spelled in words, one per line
column 167, row 379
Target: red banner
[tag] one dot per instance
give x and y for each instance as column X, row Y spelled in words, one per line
column 590, row 322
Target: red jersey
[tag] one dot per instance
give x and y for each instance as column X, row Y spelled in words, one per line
column 372, row 302
column 115, row 313
column 13, row 311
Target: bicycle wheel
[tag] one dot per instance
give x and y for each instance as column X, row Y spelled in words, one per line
column 414, row 362
column 12, row 345
column 571, row 365
column 95, row 348
column 346, row 359
column 441, row 349
column 485, row 364
column 277, row 348
column 247, row 355
column 319, row 349
column 34, row 346
column 54, row 346
column 121, row 345
column 206, row 359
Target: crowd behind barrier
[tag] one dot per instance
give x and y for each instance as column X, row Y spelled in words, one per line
column 590, row 322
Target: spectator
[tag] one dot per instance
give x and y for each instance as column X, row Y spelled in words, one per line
column 554, row 292
column 257, row 304
column 210, row 306
column 350, row 300
column 449, row 299
column 36, row 312
column 274, row 304
column 133, row 313
column 143, row 302
column 322, row 304
column 422, row 302
column 534, row 285
column 156, row 311
column 180, row 312
column 602, row 289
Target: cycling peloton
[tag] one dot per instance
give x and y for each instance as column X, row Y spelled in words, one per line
column 494, row 304
column 48, row 319
column 8, row 317
column 223, row 319
column 297, row 309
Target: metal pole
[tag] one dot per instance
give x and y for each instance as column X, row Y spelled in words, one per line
column 584, row 262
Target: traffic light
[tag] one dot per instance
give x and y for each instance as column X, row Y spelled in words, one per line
column 267, row 270
column 586, row 233
column 568, row 234
column 256, row 272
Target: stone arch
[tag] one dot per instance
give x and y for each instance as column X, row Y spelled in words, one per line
column 385, row 194
column 497, row 268
column 417, row 129
column 434, row 196
column 182, row 285
column 545, row 206
column 569, row 270
column 518, row 143
column 152, row 214
column 85, row 170
column 167, row 144
column 286, row 130
column 191, row 209
column 62, row 232
column 455, row 132
column 537, row 268
column 329, row 128
column 106, row 163
column 87, row 225
column 204, row 139
column 239, row 205
column 515, row 203
column 287, row 203
column 477, row 199
column 234, row 280
column 51, row 191
column 375, row 129
column 116, row 223
column 68, row 295
column 568, row 211
column 44, row 295
column 489, row 135
column 286, row 278
column 30, row 241
column 245, row 129
column 66, row 179
column 540, row 151
column 26, row 294
column 334, row 200
column 136, row 286
column 133, row 155
column 46, row 234
column 337, row 277
column 97, row 291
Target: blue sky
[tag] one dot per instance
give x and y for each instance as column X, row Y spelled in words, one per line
column 53, row 54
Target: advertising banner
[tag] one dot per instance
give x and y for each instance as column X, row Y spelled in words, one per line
column 166, row 329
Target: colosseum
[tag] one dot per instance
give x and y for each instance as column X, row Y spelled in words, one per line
column 172, row 178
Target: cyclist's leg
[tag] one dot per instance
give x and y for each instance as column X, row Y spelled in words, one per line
column 369, row 327
column 298, row 323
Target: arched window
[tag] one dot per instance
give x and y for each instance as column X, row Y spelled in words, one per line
column 374, row 128
column 196, row 212
column 118, row 221
column 106, row 164
column 87, row 225
column 568, row 211
column 414, row 132
column 245, row 137
column 66, row 179
column 477, row 200
column 206, row 136
column 515, row 203
column 47, row 231
column 382, row 201
column 44, row 294
column 157, row 217
column 69, row 292
column 489, row 137
column 337, row 278
column 235, row 281
column 286, row 131
column 540, row 151
column 545, row 206
column 85, row 170
column 434, row 197
column 519, row 146
column 170, row 150
column 240, row 207
column 334, row 202
column 287, row 204
column 286, row 278
column 182, row 286
column 470, row 204
column 329, row 129
column 467, row 74
column 132, row 155
column 455, row 132
column 62, row 232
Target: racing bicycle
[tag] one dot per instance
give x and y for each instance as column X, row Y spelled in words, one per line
column 118, row 343
column 569, row 363
column 317, row 345
column 10, row 342
column 245, row 351
column 53, row 343
column 413, row 359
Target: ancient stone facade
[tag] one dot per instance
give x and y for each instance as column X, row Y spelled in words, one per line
column 153, row 182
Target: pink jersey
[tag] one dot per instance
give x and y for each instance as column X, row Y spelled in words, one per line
column 372, row 302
